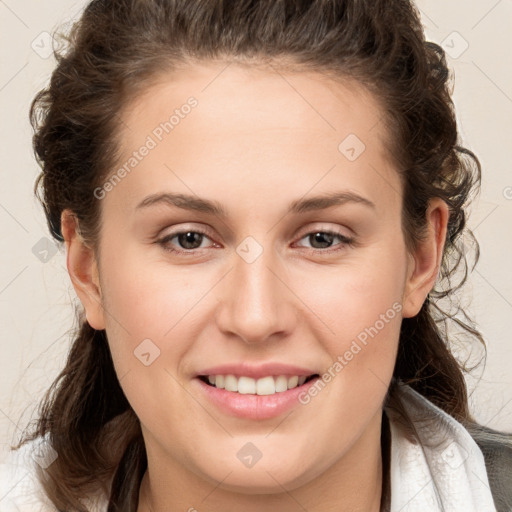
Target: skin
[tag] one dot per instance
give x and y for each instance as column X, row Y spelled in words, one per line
column 256, row 141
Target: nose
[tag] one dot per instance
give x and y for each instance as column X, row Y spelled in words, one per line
column 256, row 302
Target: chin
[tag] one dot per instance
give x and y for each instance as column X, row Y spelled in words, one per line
column 261, row 478
column 260, row 482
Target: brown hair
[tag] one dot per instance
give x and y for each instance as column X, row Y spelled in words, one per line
column 113, row 52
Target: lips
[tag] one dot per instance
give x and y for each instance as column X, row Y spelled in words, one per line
column 258, row 371
column 255, row 392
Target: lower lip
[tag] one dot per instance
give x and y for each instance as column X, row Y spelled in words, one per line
column 255, row 407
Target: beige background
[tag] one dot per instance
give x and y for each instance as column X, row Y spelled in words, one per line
column 36, row 295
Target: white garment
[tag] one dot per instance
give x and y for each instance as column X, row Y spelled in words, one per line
column 20, row 490
column 447, row 477
column 445, row 472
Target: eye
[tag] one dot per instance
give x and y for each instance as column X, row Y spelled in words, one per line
column 188, row 240
column 324, row 240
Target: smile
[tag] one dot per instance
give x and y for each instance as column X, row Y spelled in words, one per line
column 244, row 385
column 254, row 398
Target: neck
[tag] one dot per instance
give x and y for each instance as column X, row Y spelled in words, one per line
column 352, row 484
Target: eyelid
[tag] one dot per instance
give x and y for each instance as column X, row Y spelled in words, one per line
column 326, row 228
column 345, row 240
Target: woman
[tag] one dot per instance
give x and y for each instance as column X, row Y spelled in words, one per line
column 261, row 204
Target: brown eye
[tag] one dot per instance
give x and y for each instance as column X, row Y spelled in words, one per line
column 321, row 240
column 186, row 241
column 190, row 239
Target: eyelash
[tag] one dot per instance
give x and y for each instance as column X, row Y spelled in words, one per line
column 345, row 241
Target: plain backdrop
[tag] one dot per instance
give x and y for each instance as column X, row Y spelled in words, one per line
column 36, row 295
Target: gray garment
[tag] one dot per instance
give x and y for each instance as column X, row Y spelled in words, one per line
column 498, row 461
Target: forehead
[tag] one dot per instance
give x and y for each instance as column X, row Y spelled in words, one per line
column 261, row 97
column 257, row 128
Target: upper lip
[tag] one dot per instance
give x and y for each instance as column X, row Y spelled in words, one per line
column 257, row 371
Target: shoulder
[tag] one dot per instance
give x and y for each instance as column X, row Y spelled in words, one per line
column 497, row 451
column 20, row 489
column 435, row 459
column 495, row 447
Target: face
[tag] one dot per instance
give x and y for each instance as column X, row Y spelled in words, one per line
column 257, row 235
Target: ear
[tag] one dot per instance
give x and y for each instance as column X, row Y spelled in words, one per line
column 83, row 270
column 425, row 262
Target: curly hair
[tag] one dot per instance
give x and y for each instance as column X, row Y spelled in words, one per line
column 113, row 52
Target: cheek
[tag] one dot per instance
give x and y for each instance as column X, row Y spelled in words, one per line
column 150, row 328
column 360, row 307
column 149, row 298
column 363, row 293
column 156, row 314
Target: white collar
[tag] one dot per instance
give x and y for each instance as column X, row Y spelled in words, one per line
column 445, row 471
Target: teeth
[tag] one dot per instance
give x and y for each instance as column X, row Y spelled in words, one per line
column 230, row 383
column 219, row 381
column 281, row 384
column 293, row 381
column 265, row 386
column 249, row 386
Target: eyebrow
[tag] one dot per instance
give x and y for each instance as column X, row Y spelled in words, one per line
column 195, row 203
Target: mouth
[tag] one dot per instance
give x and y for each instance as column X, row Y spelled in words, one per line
column 264, row 386
column 250, row 398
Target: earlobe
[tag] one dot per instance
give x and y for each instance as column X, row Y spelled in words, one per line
column 425, row 263
column 83, row 270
